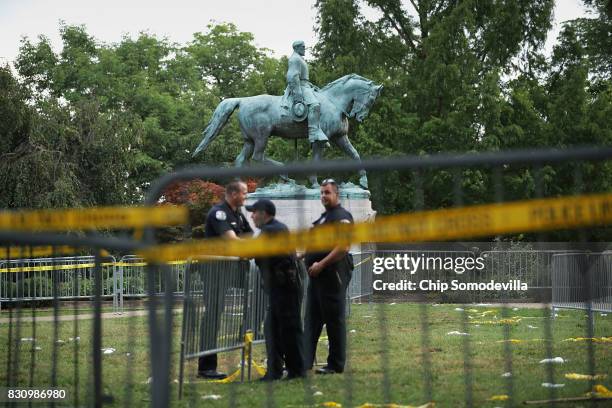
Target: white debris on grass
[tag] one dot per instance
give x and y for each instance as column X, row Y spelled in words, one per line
column 367, row 316
column 457, row 333
column 74, row 338
column 27, row 339
column 532, row 327
column 317, row 394
column 108, row 350
column 603, row 314
column 507, row 374
column 393, row 303
column 60, row 341
column 211, row 397
column 515, row 309
column 458, row 309
column 556, row 360
column 549, row 385
column 484, row 304
column 37, row 348
column 353, row 331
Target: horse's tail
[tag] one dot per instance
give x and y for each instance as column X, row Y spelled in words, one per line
column 219, row 119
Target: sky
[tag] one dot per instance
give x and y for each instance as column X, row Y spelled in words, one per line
column 275, row 24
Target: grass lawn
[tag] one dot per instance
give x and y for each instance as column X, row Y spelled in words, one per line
column 125, row 371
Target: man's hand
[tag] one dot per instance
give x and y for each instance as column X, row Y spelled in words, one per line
column 315, row 269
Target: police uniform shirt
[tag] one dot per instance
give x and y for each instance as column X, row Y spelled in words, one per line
column 336, row 214
column 273, row 227
column 266, row 265
column 221, row 218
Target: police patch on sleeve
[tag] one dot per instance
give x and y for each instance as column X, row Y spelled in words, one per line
column 221, row 215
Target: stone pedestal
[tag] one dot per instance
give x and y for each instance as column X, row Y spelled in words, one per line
column 298, row 206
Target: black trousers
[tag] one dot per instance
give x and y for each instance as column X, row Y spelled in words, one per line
column 284, row 333
column 326, row 305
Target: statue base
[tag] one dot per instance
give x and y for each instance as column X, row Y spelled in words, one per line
column 298, row 206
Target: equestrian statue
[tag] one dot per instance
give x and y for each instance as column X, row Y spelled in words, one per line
column 304, row 111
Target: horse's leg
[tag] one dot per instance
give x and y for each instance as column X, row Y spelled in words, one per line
column 284, row 177
column 317, row 149
column 245, row 154
column 345, row 145
column 261, row 141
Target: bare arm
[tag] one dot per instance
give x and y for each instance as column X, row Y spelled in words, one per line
column 334, row 256
column 230, row 234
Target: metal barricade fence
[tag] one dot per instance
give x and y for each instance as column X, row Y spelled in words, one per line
column 215, row 307
column 582, row 281
column 132, row 271
column 42, row 350
column 360, row 285
column 32, row 279
column 531, row 266
column 407, row 354
column 243, row 296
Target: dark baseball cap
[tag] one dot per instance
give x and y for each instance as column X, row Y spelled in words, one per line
column 262, row 205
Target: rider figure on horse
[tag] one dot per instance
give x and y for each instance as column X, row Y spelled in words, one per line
column 301, row 91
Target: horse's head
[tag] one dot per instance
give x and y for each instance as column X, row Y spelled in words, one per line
column 354, row 92
column 364, row 98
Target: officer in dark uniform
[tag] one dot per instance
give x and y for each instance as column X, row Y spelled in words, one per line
column 223, row 220
column 330, row 273
column 283, row 325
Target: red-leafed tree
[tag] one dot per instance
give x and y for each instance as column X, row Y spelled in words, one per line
column 199, row 196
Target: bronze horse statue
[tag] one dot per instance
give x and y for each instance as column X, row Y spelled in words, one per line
column 263, row 116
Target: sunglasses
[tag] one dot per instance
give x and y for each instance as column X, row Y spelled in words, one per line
column 328, row 181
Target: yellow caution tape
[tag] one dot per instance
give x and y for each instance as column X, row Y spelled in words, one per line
column 487, row 312
column 517, row 341
column 65, row 267
column 52, row 267
column 502, row 397
column 36, row 251
column 368, row 405
column 593, row 339
column 93, row 218
column 511, row 320
column 230, row 378
column 331, row 404
column 600, row 391
column 248, row 345
column 576, row 376
column 473, row 221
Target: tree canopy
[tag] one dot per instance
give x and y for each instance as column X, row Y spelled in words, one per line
column 95, row 123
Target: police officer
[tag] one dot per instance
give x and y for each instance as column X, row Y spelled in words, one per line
column 283, row 326
column 329, row 273
column 223, row 220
